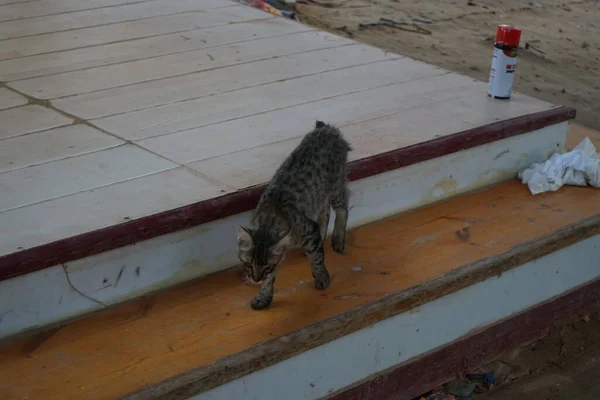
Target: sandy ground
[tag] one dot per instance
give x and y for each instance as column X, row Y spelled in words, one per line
column 565, row 365
column 562, row 66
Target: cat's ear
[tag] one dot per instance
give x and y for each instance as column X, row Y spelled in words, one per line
column 284, row 242
column 244, row 238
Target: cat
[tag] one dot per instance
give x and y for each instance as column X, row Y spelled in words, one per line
column 294, row 209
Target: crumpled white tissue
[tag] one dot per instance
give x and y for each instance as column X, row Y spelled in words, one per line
column 579, row 167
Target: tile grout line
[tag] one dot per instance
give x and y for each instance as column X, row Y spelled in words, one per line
column 300, row 136
column 305, row 102
column 308, row 29
column 19, row 2
column 89, row 189
column 153, row 57
column 108, row 23
column 47, row 104
column 267, row 17
column 184, row 165
column 10, row 84
column 64, row 157
column 11, row 107
column 38, row 131
column 194, row 172
column 207, row 177
column 32, row 101
column 232, row 90
column 77, row 120
column 66, row 12
column 246, row 87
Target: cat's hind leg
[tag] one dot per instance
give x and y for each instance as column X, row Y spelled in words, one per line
column 339, row 202
column 308, row 234
column 323, row 221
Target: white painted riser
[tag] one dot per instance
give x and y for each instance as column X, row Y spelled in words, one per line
column 46, row 297
column 318, row 372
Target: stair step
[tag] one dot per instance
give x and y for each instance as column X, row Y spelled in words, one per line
column 142, row 144
column 202, row 335
column 95, row 270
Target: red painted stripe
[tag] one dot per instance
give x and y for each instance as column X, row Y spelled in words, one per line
column 411, row 379
column 112, row 237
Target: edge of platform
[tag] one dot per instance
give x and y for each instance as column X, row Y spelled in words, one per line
column 420, row 375
column 130, row 232
column 203, row 378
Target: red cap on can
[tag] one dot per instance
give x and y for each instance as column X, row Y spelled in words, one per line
column 508, row 35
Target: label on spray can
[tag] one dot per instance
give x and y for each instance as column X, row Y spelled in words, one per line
column 504, row 62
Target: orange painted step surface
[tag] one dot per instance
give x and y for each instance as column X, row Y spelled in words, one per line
column 121, row 349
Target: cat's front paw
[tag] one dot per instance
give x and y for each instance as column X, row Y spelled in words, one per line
column 322, row 281
column 260, row 302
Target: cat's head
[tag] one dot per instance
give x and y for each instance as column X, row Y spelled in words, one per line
column 261, row 251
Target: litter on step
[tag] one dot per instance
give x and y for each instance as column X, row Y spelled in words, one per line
column 579, row 167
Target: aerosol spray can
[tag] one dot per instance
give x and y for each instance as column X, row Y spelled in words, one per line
column 504, row 61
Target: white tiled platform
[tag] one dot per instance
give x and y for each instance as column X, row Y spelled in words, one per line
column 113, row 110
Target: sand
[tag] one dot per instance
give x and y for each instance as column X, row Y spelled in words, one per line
column 561, row 66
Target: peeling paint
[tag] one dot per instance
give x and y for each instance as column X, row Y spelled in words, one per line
column 501, row 154
column 425, row 239
column 463, row 235
column 119, row 275
column 444, row 187
column 347, row 297
column 66, row 274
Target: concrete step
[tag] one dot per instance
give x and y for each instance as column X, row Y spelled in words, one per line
column 408, row 290
column 65, row 279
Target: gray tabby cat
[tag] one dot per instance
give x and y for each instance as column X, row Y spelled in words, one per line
column 294, row 211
